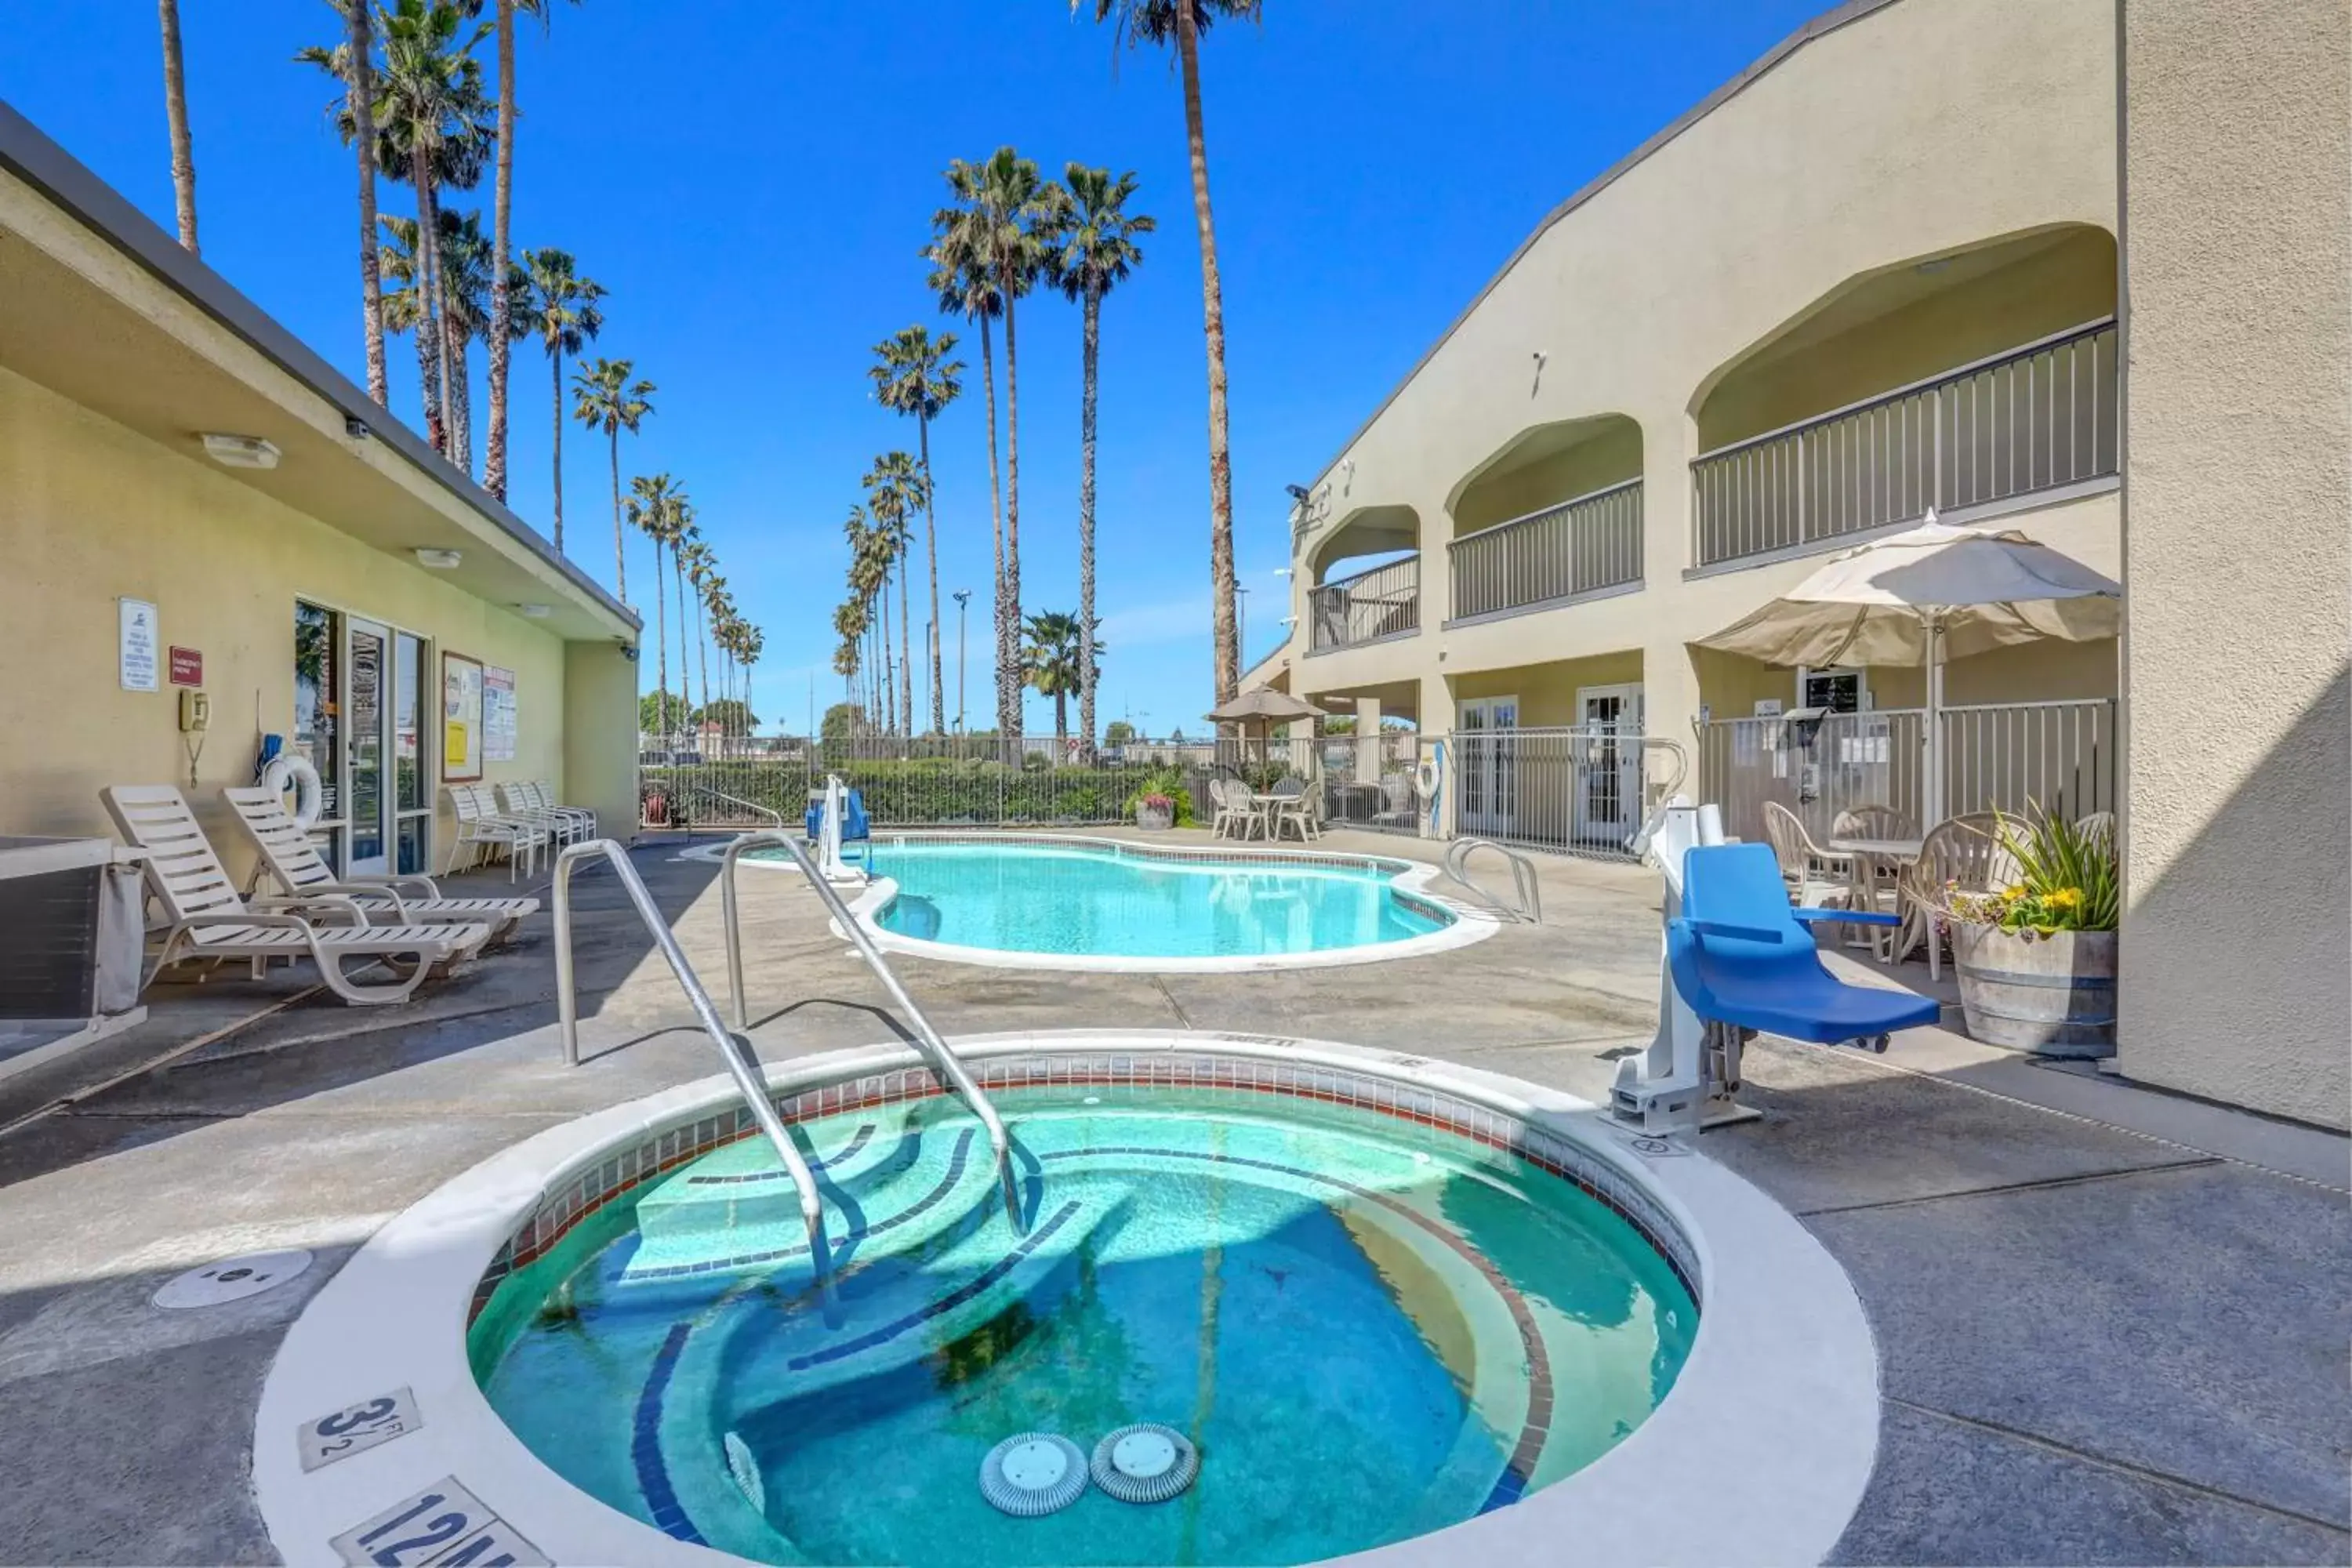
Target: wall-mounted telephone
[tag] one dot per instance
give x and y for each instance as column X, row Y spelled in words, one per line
column 195, row 712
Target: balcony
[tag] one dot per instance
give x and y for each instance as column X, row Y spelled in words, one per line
column 2034, row 420
column 1370, row 606
column 1577, row 549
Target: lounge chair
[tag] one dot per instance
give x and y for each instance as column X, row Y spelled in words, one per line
column 208, row 920
column 290, row 859
column 1742, row 957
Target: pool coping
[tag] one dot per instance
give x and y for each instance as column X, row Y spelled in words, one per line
column 1467, row 923
column 1761, row 1451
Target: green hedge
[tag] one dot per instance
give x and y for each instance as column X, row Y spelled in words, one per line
column 920, row 793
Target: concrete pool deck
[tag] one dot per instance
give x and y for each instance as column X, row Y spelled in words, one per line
column 2112, row 1324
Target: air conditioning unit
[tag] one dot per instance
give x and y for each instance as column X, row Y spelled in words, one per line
column 72, row 935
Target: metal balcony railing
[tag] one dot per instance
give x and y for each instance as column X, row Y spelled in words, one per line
column 2038, row 417
column 1385, row 602
column 1578, row 547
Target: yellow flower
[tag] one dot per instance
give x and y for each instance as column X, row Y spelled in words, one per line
column 2013, row 892
column 2063, row 898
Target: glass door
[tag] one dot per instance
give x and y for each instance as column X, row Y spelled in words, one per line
column 368, row 747
column 1609, row 791
column 1488, row 741
column 411, row 797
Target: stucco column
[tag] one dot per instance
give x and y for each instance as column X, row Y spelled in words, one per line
column 600, row 735
column 1435, row 705
column 1368, row 740
column 1670, row 694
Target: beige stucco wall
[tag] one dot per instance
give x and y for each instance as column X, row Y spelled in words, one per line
column 1921, row 130
column 2238, row 195
column 91, row 511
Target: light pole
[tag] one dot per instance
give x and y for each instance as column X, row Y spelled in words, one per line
column 1241, row 619
column 962, row 597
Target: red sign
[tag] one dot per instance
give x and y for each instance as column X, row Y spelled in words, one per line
column 187, row 667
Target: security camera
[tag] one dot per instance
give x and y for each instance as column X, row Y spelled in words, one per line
column 1298, row 493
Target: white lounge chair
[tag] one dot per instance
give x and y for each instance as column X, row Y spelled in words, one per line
column 484, row 832
column 206, row 919
column 290, row 859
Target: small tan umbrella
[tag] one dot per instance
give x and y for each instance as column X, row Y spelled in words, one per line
column 1262, row 707
column 1925, row 596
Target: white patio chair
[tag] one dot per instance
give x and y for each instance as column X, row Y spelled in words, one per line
column 1235, row 809
column 542, row 794
column 1816, row 878
column 521, row 802
column 1292, row 808
column 206, row 919
column 485, row 832
column 1960, row 854
column 292, row 861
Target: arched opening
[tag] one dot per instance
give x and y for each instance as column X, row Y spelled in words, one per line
column 1960, row 380
column 1365, row 583
column 1553, row 515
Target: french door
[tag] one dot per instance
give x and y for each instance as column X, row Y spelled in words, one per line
column 360, row 716
column 1486, row 741
column 1608, row 775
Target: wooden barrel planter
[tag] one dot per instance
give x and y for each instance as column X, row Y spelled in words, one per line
column 2052, row 994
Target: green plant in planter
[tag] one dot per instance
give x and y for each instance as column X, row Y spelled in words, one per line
column 1162, row 786
column 2068, row 878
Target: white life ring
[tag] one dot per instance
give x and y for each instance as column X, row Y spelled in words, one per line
column 285, row 773
column 1424, row 778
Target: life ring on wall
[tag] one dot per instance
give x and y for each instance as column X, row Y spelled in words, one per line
column 285, row 773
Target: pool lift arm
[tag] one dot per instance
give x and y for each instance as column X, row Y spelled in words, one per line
column 1688, row 1078
column 831, row 815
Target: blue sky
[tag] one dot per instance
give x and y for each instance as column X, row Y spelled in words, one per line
column 753, row 182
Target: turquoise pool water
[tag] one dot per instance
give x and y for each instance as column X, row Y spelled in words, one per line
column 1090, row 899
column 1369, row 1328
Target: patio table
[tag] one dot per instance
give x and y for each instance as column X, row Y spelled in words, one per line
column 1866, row 856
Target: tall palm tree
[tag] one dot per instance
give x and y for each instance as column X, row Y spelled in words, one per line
column 965, row 282
column 700, row 564
column 360, row 77
column 1181, row 23
column 1095, row 248
column 869, row 573
column 603, row 396
column 463, row 259
column 494, row 462
column 913, row 374
column 687, row 533
column 557, row 303
column 176, row 113
column 657, row 510
column 1052, row 661
column 848, row 661
column 895, row 491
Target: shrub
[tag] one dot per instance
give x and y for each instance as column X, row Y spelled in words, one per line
column 2067, row 878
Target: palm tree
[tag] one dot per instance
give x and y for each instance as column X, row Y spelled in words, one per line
column 913, row 374
column 700, row 564
column 869, row 574
column 464, row 260
column 895, row 491
column 176, row 112
column 361, row 77
column 965, row 282
column 604, row 395
column 657, row 511
column 1094, row 249
column 849, row 621
column 1183, row 22
column 560, row 305
column 494, row 464
column 1056, row 652
column 688, row 533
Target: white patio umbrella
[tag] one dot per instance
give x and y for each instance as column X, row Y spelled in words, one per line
column 1925, row 595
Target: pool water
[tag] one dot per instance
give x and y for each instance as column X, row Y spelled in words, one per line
column 1368, row 1328
column 1092, row 898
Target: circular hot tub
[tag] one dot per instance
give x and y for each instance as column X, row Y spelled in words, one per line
column 1361, row 1297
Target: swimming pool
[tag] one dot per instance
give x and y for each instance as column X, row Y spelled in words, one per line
column 1362, row 1328
column 1081, row 903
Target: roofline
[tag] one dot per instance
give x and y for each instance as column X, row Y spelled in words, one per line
column 1828, row 22
column 31, row 155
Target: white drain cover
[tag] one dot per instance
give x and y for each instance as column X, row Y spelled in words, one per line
column 231, row 1280
column 1143, row 1455
column 1144, row 1462
column 1035, row 1473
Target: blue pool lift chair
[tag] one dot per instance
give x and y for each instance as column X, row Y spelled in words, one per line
column 1742, row 957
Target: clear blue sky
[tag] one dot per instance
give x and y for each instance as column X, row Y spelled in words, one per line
column 752, row 182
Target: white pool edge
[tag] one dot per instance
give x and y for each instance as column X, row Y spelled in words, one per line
column 1470, row 924
column 1760, row 1453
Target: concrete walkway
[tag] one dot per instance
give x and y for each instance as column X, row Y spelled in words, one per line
column 2112, row 1324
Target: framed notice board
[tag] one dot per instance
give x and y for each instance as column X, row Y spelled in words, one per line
column 461, row 719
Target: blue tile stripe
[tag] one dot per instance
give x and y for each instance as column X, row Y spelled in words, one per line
column 644, row 1442
column 863, row 1136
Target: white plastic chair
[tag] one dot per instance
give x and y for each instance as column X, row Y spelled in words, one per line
column 485, row 832
column 208, row 920
column 292, row 861
column 520, row 801
column 1235, row 809
column 542, row 794
column 1292, row 809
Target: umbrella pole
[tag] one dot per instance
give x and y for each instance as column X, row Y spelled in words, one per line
column 1931, row 788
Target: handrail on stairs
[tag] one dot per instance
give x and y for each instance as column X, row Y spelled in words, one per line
column 949, row 1065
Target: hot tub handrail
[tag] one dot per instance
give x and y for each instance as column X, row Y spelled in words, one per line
column 949, row 1064
column 706, row 1012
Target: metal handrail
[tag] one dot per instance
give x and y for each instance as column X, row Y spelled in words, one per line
column 706, row 1012
column 1541, row 512
column 943, row 1059
column 1523, row 877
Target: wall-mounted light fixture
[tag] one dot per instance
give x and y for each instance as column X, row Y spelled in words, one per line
column 533, row 612
column 239, row 451
column 356, row 428
column 439, row 560
column 1934, row 264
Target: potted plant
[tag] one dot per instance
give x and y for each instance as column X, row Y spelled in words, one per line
column 1154, row 811
column 2036, row 956
column 1161, row 800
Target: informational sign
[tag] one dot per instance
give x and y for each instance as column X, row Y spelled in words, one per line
column 497, row 715
column 187, row 666
column 444, row 1523
column 1768, row 708
column 356, row 1429
column 137, row 643
column 461, row 718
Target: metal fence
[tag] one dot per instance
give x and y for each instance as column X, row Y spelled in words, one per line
column 1580, row 546
column 2032, row 418
column 2058, row 755
column 1380, row 603
column 1582, row 790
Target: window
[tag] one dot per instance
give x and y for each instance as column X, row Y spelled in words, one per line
column 1839, row 690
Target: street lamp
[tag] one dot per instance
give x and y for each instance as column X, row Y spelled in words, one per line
column 962, row 597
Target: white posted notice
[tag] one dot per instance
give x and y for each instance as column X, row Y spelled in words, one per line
column 138, row 645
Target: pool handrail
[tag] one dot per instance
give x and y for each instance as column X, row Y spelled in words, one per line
column 1528, row 892
column 949, row 1064
column 706, row 1012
